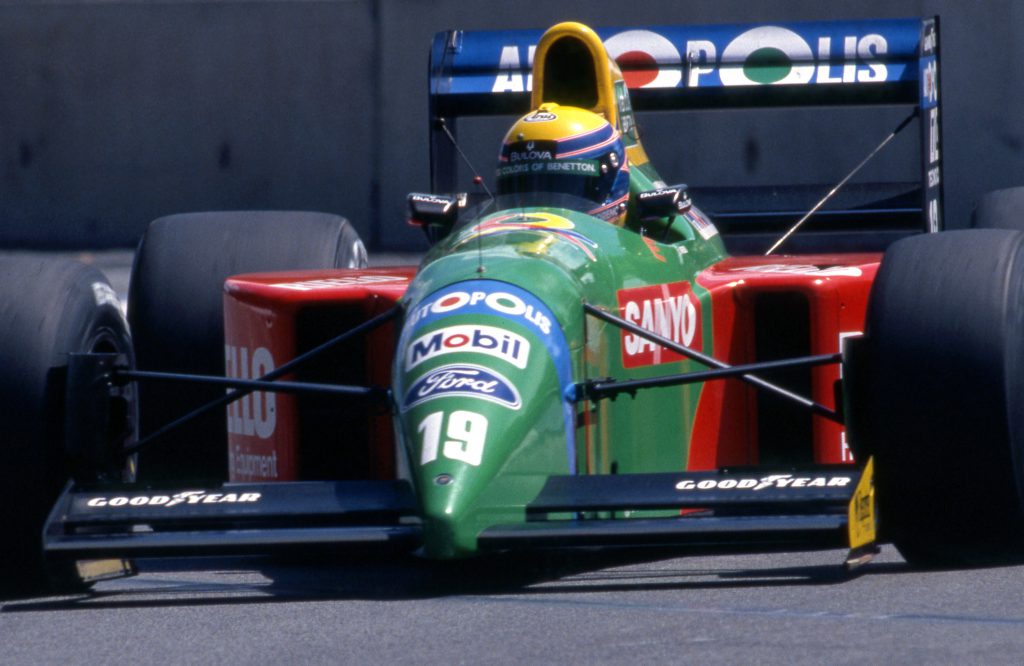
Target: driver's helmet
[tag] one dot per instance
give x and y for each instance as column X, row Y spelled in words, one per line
column 567, row 150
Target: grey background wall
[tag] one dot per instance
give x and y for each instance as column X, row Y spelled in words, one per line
column 116, row 112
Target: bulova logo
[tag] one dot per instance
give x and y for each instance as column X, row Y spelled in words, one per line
column 529, row 155
column 657, row 194
column 432, row 199
column 771, row 481
column 184, row 497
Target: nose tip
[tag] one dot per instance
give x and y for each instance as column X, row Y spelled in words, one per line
column 445, row 534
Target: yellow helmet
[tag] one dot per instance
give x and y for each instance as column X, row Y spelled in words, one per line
column 564, row 150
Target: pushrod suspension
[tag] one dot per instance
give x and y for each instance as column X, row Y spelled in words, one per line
column 606, row 388
column 712, row 362
column 285, row 369
column 299, row 388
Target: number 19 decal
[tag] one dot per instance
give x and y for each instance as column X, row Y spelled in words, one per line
column 465, row 434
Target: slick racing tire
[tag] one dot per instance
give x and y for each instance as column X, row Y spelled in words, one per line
column 1000, row 209
column 49, row 308
column 941, row 405
column 175, row 309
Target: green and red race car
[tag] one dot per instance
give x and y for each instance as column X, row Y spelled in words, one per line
column 577, row 361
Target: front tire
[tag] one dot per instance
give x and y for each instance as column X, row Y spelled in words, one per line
column 50, row 308
column 941, row 402
column 175, row 306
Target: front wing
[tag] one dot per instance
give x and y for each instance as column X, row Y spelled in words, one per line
column 749, row 509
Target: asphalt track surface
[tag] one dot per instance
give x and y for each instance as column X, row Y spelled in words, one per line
column 589, row 607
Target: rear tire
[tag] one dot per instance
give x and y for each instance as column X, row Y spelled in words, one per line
column 175, row 307
column 940, row 403
column 49, row 308
column 1000, row 209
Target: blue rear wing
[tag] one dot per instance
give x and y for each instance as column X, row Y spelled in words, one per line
column 673, row 68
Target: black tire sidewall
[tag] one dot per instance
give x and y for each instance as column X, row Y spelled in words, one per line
column 176, row 313
column 940, row 408
column 1000, row 209
column 52, row 308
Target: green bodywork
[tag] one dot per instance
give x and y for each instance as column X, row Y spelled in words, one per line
column 485, row 460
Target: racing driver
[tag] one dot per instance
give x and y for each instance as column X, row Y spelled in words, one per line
column 565, row 150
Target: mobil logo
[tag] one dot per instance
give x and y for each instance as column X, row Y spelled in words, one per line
column 476, row 339
column 669, row 310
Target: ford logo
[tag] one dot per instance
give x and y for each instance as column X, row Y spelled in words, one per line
column 466, row 380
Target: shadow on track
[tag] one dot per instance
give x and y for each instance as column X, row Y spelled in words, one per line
column 169, row 583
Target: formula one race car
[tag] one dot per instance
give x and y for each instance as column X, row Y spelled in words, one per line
column 576, row 362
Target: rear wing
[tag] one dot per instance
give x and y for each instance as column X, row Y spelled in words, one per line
column 865, row 63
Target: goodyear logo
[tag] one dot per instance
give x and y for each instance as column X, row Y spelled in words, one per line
column 765, row 482
column 186, row 497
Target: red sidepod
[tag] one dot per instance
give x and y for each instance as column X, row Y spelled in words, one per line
column 751, row 299
column 269, row 319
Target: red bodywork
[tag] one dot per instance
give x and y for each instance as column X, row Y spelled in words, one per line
column 836, row 291
column 268, row 322
column 271, row 318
